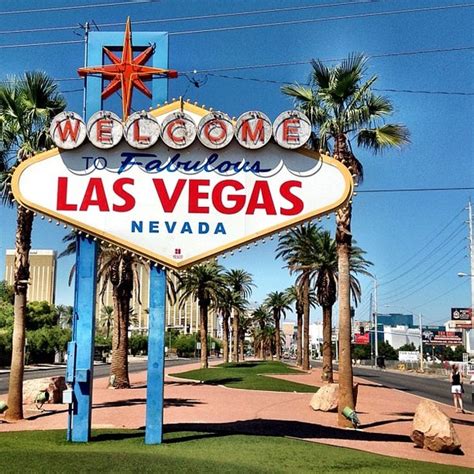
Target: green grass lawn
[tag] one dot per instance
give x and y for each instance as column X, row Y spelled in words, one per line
column 183, row 452
column 249, row 375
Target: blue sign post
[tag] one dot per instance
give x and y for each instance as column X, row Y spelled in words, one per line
column 156, row 357
column 81, row 348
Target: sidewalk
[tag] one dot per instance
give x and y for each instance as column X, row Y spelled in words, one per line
column 386, row 415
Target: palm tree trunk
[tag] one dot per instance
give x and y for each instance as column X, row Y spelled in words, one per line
column 235, row 337
column 299, row 338
column 203, row 334
column 344, row 243
column 119, row 364
column 225, row 337
column 262, row 350
column 277, row 336
column 327, row 374
column 306, row 362
column 21, row 277
column 241, row 348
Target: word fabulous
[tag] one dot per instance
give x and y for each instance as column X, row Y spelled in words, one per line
column 178, row 130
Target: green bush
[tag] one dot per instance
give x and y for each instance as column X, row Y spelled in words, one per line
column 138, row 344
column 45, row 342
column 5, row 346
column 361, row 352
column 6, row 314
column 40, row 314
column 103, row 343
column 387, row 351
column 186, row 345
column 407, row 347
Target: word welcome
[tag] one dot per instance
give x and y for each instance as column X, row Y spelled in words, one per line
column 252, row 130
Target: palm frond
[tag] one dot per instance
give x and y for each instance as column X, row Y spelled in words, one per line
column 385, row 136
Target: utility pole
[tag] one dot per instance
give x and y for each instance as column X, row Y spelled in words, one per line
column 471, row 251
column 420, row 323
column 371, row 320
column 86, row 52
column 376, row 333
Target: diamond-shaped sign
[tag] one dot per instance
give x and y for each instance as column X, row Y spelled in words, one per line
column 178, row 207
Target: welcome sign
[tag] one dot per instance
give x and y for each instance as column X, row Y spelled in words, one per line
column 178, row 205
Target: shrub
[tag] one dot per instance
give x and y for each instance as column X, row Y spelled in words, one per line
column 185, row 345
column 5, row 346
column 361, row 352
column 45, row 342
column 138, row 344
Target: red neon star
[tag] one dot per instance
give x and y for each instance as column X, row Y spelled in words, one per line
column 126, row 73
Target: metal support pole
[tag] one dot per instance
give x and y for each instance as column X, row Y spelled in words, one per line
column 156, row 357
column 84, row 308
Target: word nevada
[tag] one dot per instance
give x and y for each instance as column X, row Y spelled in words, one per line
column 178, row 130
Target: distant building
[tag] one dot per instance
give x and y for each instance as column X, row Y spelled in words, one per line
column 395, row 319
column 289, row 330
column 42, row 282
column 398, row 336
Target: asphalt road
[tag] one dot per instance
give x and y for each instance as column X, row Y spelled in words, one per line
column 99, row 371
column 424, row 386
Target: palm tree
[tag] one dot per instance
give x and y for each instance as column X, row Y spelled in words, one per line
column 228, row 302
column 65, row 315
column 119, row 267
column 266, row 339
column 245, row 325
column 294, row 295
column 292, row 247
column 205, row 283
column 342, row 108
column 27, row 106
column 261, row 318
column 240, row 282
column 107, row 318
column 324, row 256
column 278, row 303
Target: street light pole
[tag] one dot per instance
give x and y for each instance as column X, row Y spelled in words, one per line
column 471, row 275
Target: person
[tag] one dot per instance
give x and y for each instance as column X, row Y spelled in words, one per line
column 457, row 388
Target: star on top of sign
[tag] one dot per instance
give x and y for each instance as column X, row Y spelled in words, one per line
column 127, row 72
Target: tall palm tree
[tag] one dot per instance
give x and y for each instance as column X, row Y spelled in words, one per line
column 205, row 283
column 265, row 339
column 245, row 325
column 343, row 107
column 324, row 256
column 292, row 248
column 295, row 296
column 228, row 302
column 278, row 303
column 119, row 267
column 260, row 318
column 27, row 106
column 240, row 281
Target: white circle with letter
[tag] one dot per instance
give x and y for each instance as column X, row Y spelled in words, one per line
column 104, row 129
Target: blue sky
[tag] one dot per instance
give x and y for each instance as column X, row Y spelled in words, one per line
column 424, row 60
